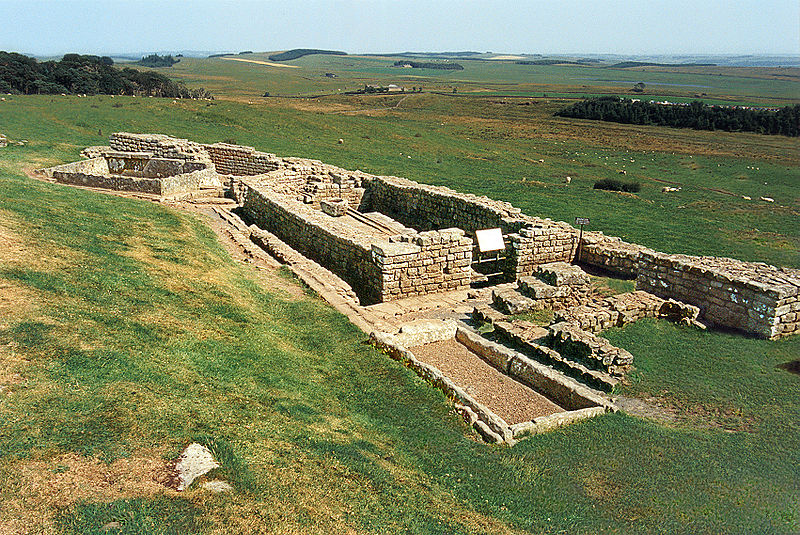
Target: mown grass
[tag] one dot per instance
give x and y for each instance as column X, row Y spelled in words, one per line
column 147, row 336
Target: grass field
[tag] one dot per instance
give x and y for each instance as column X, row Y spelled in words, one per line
column 126, row 331
column 234, row 79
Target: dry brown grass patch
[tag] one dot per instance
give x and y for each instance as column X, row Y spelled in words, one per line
column 35, row 490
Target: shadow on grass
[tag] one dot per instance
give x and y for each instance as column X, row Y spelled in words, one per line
column 163, row 516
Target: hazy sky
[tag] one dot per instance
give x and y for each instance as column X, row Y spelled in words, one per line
column 554, row 26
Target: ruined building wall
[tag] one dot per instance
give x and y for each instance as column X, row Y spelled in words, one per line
column 426, row 207
column 159, row 145
column 752, row 297
column 755, row 298
column 379, row 270
column 240, row 160
column 539, row 243
column 428, row 262
column 530, row 241
column 95, row 173
column 611, row 254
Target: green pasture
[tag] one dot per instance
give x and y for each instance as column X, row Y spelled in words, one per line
column 250, row 80
column 139, row 332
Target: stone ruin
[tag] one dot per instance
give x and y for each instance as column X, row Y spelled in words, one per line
column 384, row 240
column 390, row 237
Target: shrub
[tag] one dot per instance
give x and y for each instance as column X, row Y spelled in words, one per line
column 613, row 184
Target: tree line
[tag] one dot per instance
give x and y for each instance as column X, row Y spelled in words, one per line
column 154, row 60
column 429, row 65
column 300, row 52
column 697, row 115
column 85, row 74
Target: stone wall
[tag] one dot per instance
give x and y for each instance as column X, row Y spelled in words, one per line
column 240, row 160
column 618, row 310
column 428, row 262
column 377, row 268
column 95, row 173
column 611, row 254
column 529, row 240
column 426, row 207
column 159, row 145
column 538, row 243
column 753, row 297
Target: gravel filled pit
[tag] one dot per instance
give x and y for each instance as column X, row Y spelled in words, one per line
column 511, row 400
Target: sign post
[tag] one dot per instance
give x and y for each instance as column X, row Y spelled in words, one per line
column 581, row 221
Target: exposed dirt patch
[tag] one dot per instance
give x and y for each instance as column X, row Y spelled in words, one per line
column 511, row 400
column 670, row 412
column 267, row 63
column 34, row 491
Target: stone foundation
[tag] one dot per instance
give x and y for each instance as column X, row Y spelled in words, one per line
column 755, row 298
column 137, row 174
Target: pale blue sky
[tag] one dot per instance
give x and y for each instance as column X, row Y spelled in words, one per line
column 568, row 26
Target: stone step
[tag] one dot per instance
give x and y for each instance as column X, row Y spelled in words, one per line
column 526, row 342
column 572, row 368
column 512, row 301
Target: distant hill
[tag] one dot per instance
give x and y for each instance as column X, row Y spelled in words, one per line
column 300, row 52
column 549, row 62
column 627, row 64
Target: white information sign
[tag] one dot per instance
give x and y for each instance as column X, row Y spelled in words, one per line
column 490, row 239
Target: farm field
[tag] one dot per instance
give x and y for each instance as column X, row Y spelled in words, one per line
column 236, row 79
column 127, row 330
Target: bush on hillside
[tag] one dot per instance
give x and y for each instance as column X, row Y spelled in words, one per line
column 613, row 184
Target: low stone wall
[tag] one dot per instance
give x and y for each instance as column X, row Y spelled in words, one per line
column 622, row 309
column 487, row 423
column 425, row 207
column 317, row 236
column 556, row 286
column 95, row 173
column 240, row 160
column 569, row 340
column 565, row 391
column 159, row 145
column 581, row 401
column 378, row 269
column 756, row 298
column 611, row 254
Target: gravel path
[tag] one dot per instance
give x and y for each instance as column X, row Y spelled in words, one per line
column 509, row 399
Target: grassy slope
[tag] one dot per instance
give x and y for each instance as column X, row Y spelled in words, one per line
column 143, row 334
